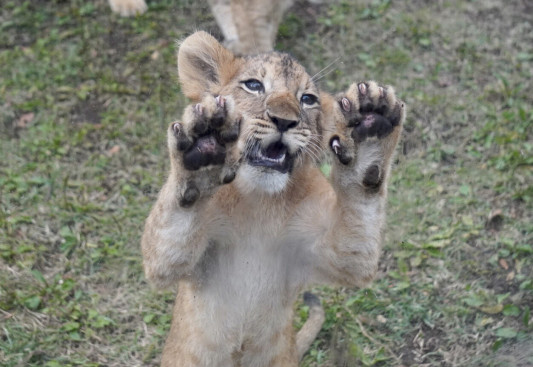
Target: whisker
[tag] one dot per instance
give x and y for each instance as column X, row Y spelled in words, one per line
column 315, row 151
column 247, row 134
column 325, row 71
column 312, row 153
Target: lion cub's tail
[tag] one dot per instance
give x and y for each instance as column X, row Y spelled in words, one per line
column 312, row 326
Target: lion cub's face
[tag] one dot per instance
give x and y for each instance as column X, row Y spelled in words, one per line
column 281, row 110
column 277, row 99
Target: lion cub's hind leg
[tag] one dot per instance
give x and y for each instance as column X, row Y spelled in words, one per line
column 368, row 132
column 202, row 147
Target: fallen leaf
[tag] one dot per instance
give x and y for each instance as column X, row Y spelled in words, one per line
column 24, row 120
column 503, row 264
column 155, row 55
column 506, row 332
column 381, row 319
column 114, row 150
column 510, row 276
column 492, row 310
column 467, row 220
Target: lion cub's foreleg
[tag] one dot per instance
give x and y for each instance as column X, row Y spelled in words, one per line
column 365, row 126
column 201, row 159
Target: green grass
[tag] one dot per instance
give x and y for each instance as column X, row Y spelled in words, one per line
column 84, row 100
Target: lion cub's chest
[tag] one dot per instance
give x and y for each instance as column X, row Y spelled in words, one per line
column 248, row 268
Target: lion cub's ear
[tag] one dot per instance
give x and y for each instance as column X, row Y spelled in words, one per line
column 204, row 65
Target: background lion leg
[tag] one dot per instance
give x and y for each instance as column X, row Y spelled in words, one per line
column 249, row 26
column 223, row 14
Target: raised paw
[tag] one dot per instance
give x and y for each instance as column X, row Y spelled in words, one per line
column 366, row 126
column 202, row 147
column 368, row 111
column 208, row 128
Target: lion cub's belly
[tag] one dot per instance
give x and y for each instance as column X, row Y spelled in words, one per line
column 247, row 287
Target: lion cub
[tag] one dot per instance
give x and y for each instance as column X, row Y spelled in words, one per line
column 246, row 220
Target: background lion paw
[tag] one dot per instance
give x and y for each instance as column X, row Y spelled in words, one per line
column 128, row 8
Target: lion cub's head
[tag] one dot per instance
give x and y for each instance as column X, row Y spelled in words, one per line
column 278, row 100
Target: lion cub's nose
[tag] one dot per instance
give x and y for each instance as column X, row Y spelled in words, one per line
column 283, row 110
column 283, row 124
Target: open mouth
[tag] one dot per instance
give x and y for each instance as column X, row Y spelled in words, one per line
column 275, row 156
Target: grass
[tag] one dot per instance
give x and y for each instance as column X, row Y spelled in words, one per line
column 84, row 100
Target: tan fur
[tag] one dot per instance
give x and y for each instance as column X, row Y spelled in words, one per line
column 128, row 8
column 241, row 252
column 248, row 26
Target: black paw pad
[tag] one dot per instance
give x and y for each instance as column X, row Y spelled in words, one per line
column 218, row 118
column 372, row 178
column 205, row 151
column 190, row 195
column 371, row 125
column 183, row 141
column 396, row 114
column 367, row 106
column 200, row 127
column 228, row 177
column 232, row 134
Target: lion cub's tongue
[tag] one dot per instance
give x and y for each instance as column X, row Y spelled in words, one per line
column 275, row 151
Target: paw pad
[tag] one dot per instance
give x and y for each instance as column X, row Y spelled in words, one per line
column 204, row 151
column 371, row 125
column 370, row 111
column 228, row 177
column 183, row 142
column 190, row 195
column 372, row 178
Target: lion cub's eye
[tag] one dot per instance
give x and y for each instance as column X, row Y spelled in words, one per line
column 254, row 85
column 309, row 99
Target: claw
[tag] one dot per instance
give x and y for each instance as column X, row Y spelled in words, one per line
column 199, row 109
column 346, row 105
column 176, row 127
column 362, row 88
column 221, row 101
column 381, row 92
column 335, row 145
